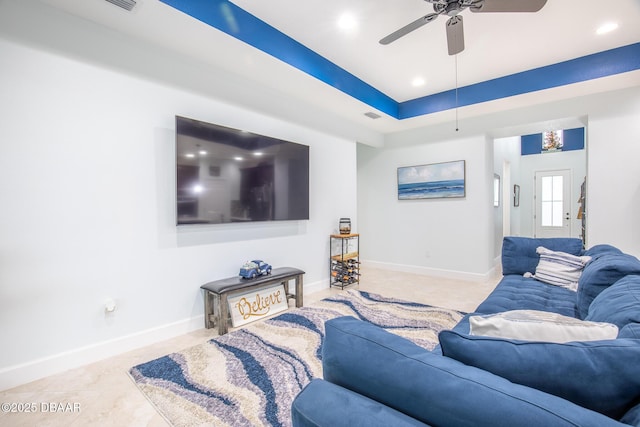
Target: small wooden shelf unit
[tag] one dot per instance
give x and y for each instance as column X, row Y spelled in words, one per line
column 344, row 261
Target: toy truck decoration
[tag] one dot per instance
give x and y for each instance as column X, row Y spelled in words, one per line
column 255, row 268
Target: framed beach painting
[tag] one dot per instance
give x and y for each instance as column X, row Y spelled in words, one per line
column 433, row 181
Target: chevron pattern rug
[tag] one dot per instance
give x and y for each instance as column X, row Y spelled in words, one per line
column 250, row 376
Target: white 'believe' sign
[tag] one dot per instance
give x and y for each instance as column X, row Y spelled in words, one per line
column 254, row 305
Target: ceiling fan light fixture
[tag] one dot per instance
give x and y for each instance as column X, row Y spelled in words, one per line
column 607, row 28
column 417, row 82
column 347, row 22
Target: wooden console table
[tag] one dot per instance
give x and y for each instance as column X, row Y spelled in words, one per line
column 216, row 293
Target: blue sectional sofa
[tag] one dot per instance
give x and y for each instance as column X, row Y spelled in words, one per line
column 375, row 378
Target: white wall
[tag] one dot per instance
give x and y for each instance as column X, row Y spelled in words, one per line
column 458, row 238
column 613, row 183
column 431, row 236
column 507, row 150
column 87, row 175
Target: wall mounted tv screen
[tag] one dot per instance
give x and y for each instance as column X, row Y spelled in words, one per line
column 227, row 175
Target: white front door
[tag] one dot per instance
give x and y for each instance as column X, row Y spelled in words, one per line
column 552, row 203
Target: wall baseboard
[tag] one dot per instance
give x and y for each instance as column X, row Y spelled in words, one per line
column 27, row 372
column 316, row 287
column 435, row 272
column 23, row 373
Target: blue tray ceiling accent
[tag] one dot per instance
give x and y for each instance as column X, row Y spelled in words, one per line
column 236, row 22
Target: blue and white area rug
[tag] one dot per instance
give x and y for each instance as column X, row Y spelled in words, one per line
column 250, row 376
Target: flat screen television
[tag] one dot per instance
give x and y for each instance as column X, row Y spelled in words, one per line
column 226, row 175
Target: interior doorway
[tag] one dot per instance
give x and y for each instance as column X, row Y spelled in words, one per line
column 517, row 163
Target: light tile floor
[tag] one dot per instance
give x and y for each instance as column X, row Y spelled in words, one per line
column 104, row 395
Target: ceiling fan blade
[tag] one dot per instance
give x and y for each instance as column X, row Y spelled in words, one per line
column 455, row 35
column 409, row 28
column 485, row 6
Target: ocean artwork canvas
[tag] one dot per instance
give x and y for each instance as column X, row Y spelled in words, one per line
column 436, row 180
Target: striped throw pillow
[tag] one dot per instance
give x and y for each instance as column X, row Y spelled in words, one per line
column 559, row 268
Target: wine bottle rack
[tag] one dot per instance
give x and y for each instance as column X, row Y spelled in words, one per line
column 344, row 263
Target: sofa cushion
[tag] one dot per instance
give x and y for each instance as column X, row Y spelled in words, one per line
column 437, row 390
column 601, row 273
column 559, row 268
column 599, row 250
column 462, row 327
column 535, row 325
column 600, row 375
column 631, row 330
column 309, row 408
column 515, row 292
column 632, row 417
column 519, row 254
column 618, row 304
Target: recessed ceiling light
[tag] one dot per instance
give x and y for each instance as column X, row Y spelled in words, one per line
column 258, row 153
column 606, row 28
column 190, row 155
column 347, row 22
column 238, row 158
column 417, row 82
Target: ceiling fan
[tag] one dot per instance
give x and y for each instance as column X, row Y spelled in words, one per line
column 452, row 8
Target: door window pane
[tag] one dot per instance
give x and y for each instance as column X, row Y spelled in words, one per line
column 557, row 214
column 551, row 202
column 557, row 188
column 547, row 214
column 547, row 186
